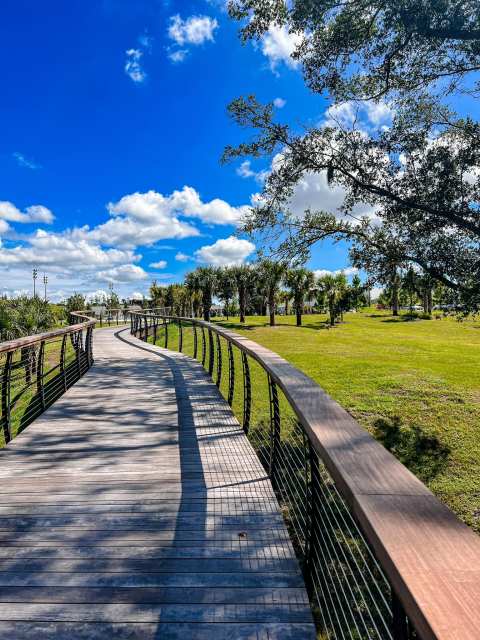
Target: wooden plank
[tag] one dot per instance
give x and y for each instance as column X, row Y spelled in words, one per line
column 156, row 631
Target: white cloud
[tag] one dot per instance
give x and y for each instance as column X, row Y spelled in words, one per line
column 182, row 257
column 194, row 30
column 313, row 192
column 161, row 264
column 22, row 161
column 348, row 271
column 279, row 103
column 123, row 273
column 227, row 251
column 34, row 213
column 178, row 55
column 133, row 67
column 278, row 45
column 364, row 114
column 245, row 171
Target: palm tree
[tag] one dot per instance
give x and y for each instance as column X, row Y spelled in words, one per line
column 206, row 280
column 242, row 275
column 299, row 281
column 226, row 287
column 272, row 274
column 332, row 285
column 285, row 297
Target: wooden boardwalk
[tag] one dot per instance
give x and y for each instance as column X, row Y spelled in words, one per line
column 136, row 508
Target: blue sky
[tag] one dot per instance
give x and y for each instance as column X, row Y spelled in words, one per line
column 113, row 120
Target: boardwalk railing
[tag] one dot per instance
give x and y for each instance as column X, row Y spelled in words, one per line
column 36, row 370
column 382, row 557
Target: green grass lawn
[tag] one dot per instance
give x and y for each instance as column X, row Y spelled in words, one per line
column 415, row 385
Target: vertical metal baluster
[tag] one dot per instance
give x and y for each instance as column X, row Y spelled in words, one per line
column 166, row 332
column 78, row 349
column 313, row 520
column 211, row 352
column 155, row 324
column 89, row 346
column 180, row 335
column 6, row 382
column 146, row 328
column 247, row 392
column 62, row 361
column 400, row 629
column 274, row 430
column 231, row 373
column 219, row 360
column 204, row 347
column 195, row 341
column 40, row 368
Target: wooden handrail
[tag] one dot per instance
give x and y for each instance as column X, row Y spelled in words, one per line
column 430, row 557
column 19, row 343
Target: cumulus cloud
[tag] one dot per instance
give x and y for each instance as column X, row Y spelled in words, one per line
column 245, row 171
column 227, row 251
column 34, row 213
column 348, row 271
column 182, row 257
column 22, row 161
column 194, row 30
column 278, row 45
column 133, row 67
column 366, row 115
column 123, row 273
column 161, row 264
column 279, row 103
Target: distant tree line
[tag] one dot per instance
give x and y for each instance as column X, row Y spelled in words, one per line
column 258, row 289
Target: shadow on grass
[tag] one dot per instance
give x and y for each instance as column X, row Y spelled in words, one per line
column 420, row 452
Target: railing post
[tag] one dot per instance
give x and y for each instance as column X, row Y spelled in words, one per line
column 204, row 347
column 63, row 371
column 145, row 317
column 400, row 629
column 89, row 346
column 166, row 332
column 247, row 392
column 231, row 374
column 6, row 381
column 211, row 352
column 155, row 325
column 78, row 348
column 40, row 368
column 195, row 341
column 274, row 429
column 219, row 360
column 180, row 336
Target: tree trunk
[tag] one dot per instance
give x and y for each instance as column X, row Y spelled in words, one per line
column 241, row 295
column 331, row 309
column 395, row 292
column 286, row 306
column 271, row 308
column 299, row 317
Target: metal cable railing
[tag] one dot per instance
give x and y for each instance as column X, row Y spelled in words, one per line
column 36, row 370
column 327, row 473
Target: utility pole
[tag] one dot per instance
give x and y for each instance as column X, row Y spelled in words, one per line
column 34, row 273
column 45, row 280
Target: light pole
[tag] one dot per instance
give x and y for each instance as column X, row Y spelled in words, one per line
column 45, row 280
column 34, row 273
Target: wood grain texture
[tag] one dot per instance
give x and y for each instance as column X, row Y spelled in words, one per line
column 135, row 507
column 430, row 557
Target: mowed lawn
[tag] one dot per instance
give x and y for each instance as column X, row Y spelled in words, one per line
column 415, row 385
